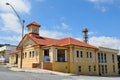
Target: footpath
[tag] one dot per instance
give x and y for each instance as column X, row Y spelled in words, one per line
column 38, row 70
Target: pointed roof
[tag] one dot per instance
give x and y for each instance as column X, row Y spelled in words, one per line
column 34, row 24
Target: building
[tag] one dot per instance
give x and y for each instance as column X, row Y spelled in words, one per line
column 107, row 61
column 5, row 49
column 118, row 63
column 65, row 55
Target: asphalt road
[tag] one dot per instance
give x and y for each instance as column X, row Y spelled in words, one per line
column 6, row 74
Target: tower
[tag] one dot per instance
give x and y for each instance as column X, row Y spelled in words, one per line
column 85, row 35
column 33, row 28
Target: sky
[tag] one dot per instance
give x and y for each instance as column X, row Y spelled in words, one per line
column 63, row 18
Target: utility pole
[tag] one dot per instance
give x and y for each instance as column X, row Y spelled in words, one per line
column 22, row 25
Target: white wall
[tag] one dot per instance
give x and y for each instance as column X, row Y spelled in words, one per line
column 8, row 49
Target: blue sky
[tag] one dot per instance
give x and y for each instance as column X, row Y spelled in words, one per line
column 63, row 18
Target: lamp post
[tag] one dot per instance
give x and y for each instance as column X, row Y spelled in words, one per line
column 22, row 24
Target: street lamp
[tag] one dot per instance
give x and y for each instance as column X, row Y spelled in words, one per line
column 22, row 24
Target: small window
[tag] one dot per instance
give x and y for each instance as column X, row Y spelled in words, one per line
column 81, row 54
column 102, row 57
column 113, row 68
column 106, row 69
column 87, row 55
column 61, row 55
column 79, row 68
column 30, row 54
column 89, row 68
column 90, row 54
column 113, row 58
column 25, row 54
column 77, row 53
column 99, row 57
column 46, row 52
column 102, row 69
column 105, row 58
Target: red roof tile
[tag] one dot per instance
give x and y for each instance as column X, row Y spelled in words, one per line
column 72, row 41
column 33, row 23
column 59, row 42
column 43, row 40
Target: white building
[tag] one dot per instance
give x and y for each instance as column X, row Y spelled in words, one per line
column 4, row 52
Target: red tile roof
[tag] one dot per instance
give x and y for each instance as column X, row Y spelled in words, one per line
column 34, row 24
column 72, row 41
column 59, row 42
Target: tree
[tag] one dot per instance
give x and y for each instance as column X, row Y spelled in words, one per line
column 2, row 53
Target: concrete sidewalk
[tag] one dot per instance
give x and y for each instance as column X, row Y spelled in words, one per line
column 37, row 70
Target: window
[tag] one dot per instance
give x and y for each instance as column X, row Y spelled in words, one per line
column 89, row 68
column 81, row 54
column 77, row 53
column 61, row 55
column 105, row 58
column 30, row 54
column 99, row 57
column 102, row 57
column 46, row 52
column 113, row 58
column 113, row 68
column 90, row 54
column 102, row 69
column 106, row 69
column 94, row 68
column 46, row 55
column 87, row 55
column 25, row 54
column 79, row 68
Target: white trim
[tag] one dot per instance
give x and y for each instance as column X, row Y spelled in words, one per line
column 43, row 55
column 65, row 55
column 75, row 56
column 71, row 59
column 56, row 54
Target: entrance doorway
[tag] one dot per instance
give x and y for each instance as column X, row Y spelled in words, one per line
column 46, row 57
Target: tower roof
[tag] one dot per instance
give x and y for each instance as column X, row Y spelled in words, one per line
column 34, row 24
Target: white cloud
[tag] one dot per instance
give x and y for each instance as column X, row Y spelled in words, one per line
column 91, row 33
column 62, row 26
column 10, row 22
column 110, row 42
column 22, row 6
column 10, row 38
column 103, row 5
column 52, row 34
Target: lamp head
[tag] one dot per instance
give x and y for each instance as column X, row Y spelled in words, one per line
column 7, row 4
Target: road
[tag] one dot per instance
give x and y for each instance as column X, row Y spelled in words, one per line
column 6, row 74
